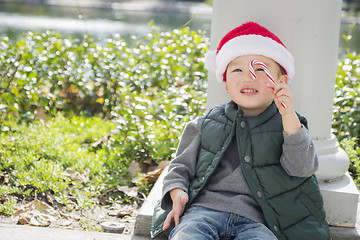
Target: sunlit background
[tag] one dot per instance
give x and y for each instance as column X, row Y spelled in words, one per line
column 77, row 18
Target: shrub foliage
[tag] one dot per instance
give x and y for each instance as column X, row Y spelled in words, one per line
column 346, row 113
column 87, row 77
column 346, row 119
column 59, row 96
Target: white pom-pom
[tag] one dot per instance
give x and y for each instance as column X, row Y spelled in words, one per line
column 210, row 60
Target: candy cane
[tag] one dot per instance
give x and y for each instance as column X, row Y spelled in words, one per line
column 267, row 72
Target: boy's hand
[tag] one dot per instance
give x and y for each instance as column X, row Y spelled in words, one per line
column 179, row 198
column 283, row 94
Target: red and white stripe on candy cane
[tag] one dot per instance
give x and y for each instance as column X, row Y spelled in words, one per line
column 267, row 72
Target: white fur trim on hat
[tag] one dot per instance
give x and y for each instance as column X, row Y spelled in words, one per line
column 249, row 45
column 210, row 60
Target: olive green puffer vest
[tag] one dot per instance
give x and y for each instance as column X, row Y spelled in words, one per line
column 292, row 206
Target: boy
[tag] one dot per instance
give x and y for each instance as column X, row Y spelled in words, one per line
column 246, row 169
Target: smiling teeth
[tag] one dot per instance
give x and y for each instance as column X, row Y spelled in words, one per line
column 249, row 91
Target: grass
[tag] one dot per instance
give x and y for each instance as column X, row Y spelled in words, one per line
column 36, row 160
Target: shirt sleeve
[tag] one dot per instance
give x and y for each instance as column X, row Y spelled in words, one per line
column 182, row 167
column 299, row 157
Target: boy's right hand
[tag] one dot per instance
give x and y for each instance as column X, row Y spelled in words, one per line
column 179, row 199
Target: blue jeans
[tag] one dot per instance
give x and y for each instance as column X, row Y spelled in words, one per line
column 202, row 223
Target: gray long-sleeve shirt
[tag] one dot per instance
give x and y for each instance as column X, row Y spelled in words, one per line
column 227, row 189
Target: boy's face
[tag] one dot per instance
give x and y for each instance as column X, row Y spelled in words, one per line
column 253, row 96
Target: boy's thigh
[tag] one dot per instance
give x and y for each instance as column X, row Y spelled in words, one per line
column 199, row 223
column 250, row 230
column 205, row 224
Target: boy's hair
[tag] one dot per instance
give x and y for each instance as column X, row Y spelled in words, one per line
column 249, row 39
column 282, row 70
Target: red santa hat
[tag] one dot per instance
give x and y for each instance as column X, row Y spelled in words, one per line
column 248, row 39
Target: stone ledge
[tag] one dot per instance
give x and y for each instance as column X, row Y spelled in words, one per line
column 143, row 220
column 341, row 233
column 347, row 233
column 341, row 200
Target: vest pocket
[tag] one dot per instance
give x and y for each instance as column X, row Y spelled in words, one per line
column 317, row 212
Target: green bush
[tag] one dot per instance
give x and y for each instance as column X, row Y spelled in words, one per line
column 138, row 97
column 353, row 151
column 143, row 129
column 36, row 157
column 37, row 160
column 86, row 77
column 346, row 113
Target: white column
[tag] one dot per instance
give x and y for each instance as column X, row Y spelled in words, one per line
column 310, row 30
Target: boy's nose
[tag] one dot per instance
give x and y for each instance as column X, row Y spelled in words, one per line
column 252, row 76
column 248, row 77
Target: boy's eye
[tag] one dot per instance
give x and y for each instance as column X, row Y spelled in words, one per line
column 237, row 70
column 259, row 69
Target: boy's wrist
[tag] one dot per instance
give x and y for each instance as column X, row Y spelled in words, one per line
column 174, row 192
column 289, row 116
column 287, row 113
column 291, row 123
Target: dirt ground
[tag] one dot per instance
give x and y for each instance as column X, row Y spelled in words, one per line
column 90, row 220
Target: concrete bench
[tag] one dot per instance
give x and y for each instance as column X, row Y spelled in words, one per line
column 143, row 220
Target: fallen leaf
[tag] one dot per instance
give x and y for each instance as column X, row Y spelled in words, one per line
column 24, row 218
column 131, row 192
column 121, row 210
column 134, row 168
column 40, row 220
column 123, row 213
column 4, row 179
column 41, row 116
column 147, row 165
column 50, row 198
column 65, row 223
column 36, row 213
column 163, row 164
column 76, row 176
column 152, row 176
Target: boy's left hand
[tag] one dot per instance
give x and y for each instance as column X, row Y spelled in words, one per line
column 282, row 94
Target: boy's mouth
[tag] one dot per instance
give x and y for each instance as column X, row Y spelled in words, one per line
column 248, row 90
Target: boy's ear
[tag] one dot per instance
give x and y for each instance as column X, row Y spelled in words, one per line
column 284, row 79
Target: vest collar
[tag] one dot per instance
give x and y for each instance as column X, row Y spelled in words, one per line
column 232, row 110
